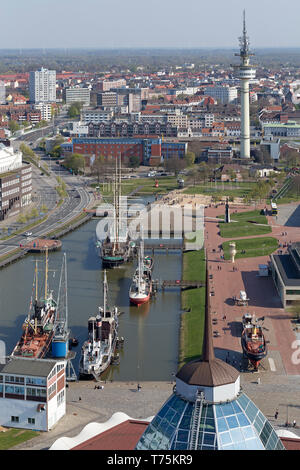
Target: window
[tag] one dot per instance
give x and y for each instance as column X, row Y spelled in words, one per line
column 31, row 421
column 15, row 419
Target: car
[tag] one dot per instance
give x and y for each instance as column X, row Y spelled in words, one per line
column 28, row 234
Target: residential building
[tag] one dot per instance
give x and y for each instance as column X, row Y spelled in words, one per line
column 45, row 110
column 42, row 86
column 2, row 93
column 78, row 95
column 106, row 85
column 32, row 393
column 95, row 115
column 223, row 94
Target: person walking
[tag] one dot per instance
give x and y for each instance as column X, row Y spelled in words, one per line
column 276, row 414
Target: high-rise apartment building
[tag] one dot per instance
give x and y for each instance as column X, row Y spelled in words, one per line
column 2, row 93
column 42, row 86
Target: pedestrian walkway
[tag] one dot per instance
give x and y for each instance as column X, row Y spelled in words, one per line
column 225, row 283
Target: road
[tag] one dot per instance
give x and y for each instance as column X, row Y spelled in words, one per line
column 44, row 193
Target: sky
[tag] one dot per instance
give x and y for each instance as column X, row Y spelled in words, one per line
column 147, row 23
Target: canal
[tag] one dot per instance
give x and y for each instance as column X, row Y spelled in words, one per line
column 151, row 332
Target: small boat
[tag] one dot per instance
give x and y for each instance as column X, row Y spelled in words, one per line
column 97, row 352
column 253, row 340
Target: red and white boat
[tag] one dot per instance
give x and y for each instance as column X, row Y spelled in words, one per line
column 141, row 286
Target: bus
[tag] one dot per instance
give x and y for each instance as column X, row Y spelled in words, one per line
column 274, row 208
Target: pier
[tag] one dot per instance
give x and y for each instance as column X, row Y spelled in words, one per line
column 177, row 283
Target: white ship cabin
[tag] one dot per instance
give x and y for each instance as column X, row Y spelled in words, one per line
column 32, row 393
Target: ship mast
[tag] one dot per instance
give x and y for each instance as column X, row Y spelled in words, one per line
column 36, row 281
column 46, row 274
column 104, row 294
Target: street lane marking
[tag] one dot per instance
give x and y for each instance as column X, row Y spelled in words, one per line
column 272, row 364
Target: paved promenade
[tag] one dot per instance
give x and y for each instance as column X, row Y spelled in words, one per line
column 264, row 300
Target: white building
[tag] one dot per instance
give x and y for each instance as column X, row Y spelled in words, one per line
column 78, row 95
column 45, row 109
column 95, row 115
column 223, row 94
column 80, row 129
column 2, row 93
column 9, row 159
column 42, row 86
column 32, row 393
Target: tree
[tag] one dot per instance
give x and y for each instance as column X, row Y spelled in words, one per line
column 134, row 161
column 75, row 162
column 175, row 164
column 13, row 126
column 98, row 167
column 26, row 151
column 74, row 110
column 190, row 158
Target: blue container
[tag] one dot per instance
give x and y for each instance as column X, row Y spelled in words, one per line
column 59, row 348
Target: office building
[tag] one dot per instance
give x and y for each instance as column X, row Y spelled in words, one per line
column 15, row 182
column 78, row 95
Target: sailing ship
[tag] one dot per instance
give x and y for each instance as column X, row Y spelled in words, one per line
column 97, row 352
column 253, row 341
column 141, row 286
column 117, row 248
column 38, row 327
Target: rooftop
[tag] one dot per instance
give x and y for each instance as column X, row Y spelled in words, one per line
column 26, row 366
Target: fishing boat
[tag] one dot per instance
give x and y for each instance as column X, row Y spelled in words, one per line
column 117, row 248
column 98, row 350
column 253, row 341
column 61, row 338
column 38, row 327
column 141, row 285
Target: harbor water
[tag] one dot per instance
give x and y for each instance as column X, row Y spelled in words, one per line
column 151, row 331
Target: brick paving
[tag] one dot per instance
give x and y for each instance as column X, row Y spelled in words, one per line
column 264, row 300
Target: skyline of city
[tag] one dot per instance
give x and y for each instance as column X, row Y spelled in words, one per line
column 96, row 24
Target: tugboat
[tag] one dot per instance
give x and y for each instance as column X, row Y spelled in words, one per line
column 141, row 286
column 253, row 341
column 117, row 248
column 97, row 352
column 39, row 325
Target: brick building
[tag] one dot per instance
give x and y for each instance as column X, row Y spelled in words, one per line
column 146, row 149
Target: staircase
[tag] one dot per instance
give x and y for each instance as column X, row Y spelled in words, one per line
column 194, row 434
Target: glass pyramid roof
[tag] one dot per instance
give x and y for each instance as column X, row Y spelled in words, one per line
column 235, row 425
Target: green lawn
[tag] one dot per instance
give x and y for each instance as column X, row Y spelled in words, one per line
column 192, row 322
column 12, row 437
column 141, row 186
column 221, row 189
column 243, row 224
column 252, row 247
